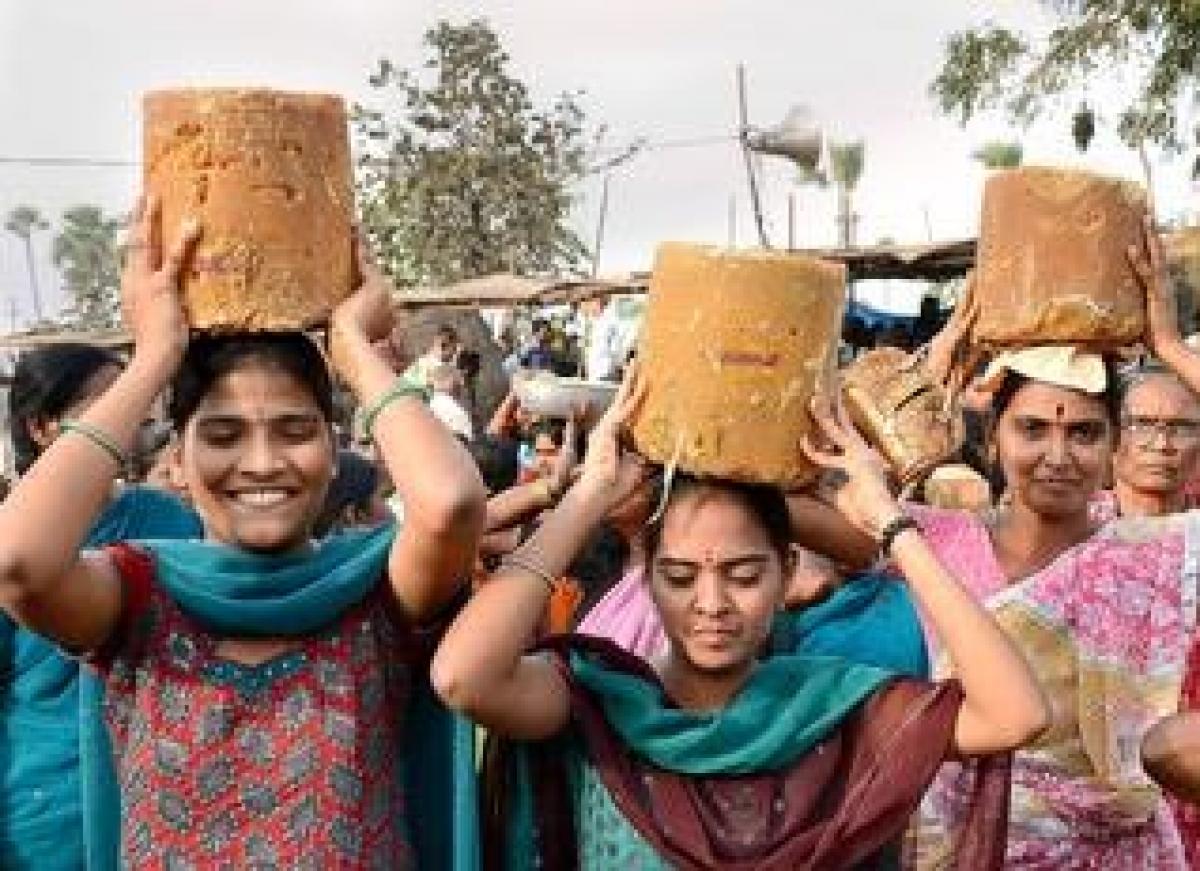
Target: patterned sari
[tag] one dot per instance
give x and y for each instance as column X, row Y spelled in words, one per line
column 1107, row 628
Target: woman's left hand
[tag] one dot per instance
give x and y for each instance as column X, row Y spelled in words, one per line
column 857, row 475
column 1149, row 263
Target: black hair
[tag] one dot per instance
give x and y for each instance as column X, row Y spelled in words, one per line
column 766, row 503
column 210, row 358
column 46, row 382
column 1014, row 381
column 354, row 484
column 498, row 461
column 470, row 364
column 554, row 427
column 598, row 566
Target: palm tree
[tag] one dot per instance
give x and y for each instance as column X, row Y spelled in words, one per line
column 1000, row 155
column 846, row 160
column 22, row 222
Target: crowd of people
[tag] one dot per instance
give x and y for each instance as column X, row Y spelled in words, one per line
column 234, row 638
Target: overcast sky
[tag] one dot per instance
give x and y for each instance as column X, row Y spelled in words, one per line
column 71, row 75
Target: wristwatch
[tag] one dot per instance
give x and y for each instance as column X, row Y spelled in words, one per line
column 892, row 530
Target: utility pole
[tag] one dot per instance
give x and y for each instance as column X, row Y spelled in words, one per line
column 744, row 136
column 600, row 225
column 791, row 222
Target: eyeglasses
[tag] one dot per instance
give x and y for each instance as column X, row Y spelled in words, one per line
column 1175, row 430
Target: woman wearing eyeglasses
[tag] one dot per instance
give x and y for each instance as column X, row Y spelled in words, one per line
column 1158, row 447
column 1157, row 458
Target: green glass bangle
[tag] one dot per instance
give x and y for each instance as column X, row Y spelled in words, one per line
column 98, row 437
column 400, row 390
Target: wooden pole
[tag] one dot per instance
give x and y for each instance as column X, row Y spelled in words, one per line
column 791, row 224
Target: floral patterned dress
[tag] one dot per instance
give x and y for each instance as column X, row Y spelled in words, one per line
column 293, row 763
column 1107, row 628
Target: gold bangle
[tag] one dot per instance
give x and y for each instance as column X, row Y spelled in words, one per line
column 530, row 567
column 97, row 437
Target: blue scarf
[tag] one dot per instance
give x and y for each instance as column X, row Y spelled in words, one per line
column 234, row 592
column 825, row 660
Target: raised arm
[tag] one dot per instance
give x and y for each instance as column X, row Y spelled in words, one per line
column 1162, row 313
column 520, row 502
column 44, row 583
column 433, row 473
column 1003, row 706
column 504, row 418
column 481, row 667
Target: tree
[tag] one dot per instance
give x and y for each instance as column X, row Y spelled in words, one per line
column 1154, row 43
column 22, row 221
column 468, row 177
column 846, row 161
column 85, row 252
column 999, row 155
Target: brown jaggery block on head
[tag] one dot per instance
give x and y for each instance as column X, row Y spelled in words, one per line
column 268, row 175
column 1053, row 265
column 901, row 411
column 734, row 346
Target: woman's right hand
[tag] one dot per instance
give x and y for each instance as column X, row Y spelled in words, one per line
column 856, row 476
column 151, row 303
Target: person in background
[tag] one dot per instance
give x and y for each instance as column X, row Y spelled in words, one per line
column 470, row 365
column 442, row 352
column 538, row 354
column 50, row 712
column 447, row 397
column 541, row 448
column 354, row 498
column 604, row 343
column 1158, row 446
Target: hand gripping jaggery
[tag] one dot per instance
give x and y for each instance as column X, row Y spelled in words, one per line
column 733, row 348
column 901, row 411
column 1053, row 263
column 268, row 175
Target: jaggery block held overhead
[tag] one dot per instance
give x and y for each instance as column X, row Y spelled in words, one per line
column 734, row 346
column 901, row 411
column 268, row 174
column 1053, row 263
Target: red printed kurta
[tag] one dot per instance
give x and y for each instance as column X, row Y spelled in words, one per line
column 293, row 763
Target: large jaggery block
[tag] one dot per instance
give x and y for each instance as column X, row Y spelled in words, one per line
column 268, row 175
column 1052, row 265
column 901, row 411
column 733, row 347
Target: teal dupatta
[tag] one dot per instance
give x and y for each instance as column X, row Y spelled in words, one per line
column 235, row 592
column 825, row 661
